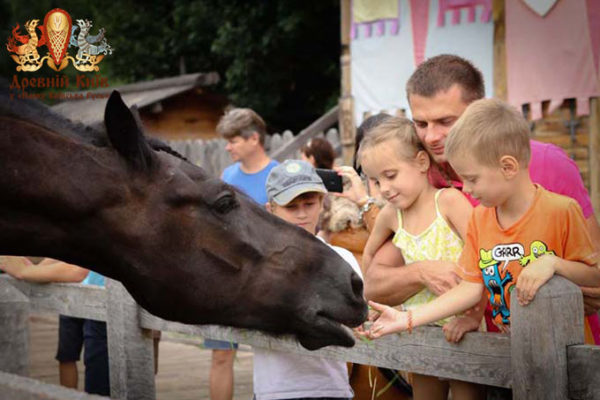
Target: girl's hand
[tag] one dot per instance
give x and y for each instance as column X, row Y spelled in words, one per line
column 534, row 276
column 387, row 320
column 455, row 329
column 356, row 192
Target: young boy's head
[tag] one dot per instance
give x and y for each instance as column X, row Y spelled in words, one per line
column 244, row 131
column 295, row 194
column 488, row 147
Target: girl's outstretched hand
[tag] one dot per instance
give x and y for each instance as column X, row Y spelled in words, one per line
column 386, row 320
column 356, row 192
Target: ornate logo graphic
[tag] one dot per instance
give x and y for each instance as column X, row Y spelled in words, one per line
column 58, row 34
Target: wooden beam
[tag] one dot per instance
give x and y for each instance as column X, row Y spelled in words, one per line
column 14, row 330
column 22, row 388
column 540, row 335
column 594, row 143
column 584, row 374
column 347, row 126
column 326, row 121
column 480, row 357
column 500, row 82
column 72, row 299
column 130, row 349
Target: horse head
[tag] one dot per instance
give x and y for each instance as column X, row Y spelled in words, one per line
column 188, row 247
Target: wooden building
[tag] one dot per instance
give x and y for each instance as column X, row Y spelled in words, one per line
column 578, row 133
column 176, row 108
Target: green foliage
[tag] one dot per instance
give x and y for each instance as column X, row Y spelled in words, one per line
column 280, row 58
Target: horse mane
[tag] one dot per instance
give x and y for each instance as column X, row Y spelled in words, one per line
column 39, row 114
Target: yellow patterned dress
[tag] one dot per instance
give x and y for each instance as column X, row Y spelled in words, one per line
column 437, row 242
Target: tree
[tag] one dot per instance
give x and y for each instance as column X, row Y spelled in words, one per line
column 279, row 57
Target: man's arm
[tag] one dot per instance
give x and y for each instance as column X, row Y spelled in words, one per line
column 591, row 295
column 389, row 281
column 46, row 271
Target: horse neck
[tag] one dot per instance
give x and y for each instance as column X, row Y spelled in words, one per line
column 51, row 187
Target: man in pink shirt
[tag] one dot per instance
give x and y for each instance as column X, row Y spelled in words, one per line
column 438, row 92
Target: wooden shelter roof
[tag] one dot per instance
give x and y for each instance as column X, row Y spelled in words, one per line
column 142, row 94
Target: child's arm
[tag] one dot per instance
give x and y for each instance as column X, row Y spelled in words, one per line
column 542, row 269
column 379, row 235
column 456, row 300
column 457, row 210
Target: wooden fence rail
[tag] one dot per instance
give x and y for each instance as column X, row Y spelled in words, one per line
column 544, row 359
column 212, row 156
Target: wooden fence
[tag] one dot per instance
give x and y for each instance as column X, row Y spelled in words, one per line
column 544, row 358
column 212, row 156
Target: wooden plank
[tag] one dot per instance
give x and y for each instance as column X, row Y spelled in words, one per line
column 130, row 349
column 584, row 374
column 594, row 166
column 72, row 299
column 14, row 335
column 500, row 90
column 19, row 387
column 540, row 334
column 346, row 21
column 481, row 358
column 320, row 125
column 347, row 129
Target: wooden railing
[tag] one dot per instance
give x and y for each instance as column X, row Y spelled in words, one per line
column 326, row 121
column 544, row 358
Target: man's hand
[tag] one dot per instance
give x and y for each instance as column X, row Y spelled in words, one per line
column 455, row 329
column 591, row 299
column 438, row 276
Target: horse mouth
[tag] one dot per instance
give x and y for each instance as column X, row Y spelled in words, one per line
column 325, row 331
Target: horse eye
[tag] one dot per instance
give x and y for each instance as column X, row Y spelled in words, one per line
column 225, row 202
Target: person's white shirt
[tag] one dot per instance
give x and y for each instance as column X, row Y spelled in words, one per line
column 281, row 375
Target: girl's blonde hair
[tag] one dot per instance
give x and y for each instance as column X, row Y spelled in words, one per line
column 398, row 128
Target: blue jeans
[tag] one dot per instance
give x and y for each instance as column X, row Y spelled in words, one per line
column 95, row 358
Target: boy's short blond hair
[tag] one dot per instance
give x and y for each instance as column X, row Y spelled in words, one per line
column 242, row 122
column 488, row 130
column 393, row 128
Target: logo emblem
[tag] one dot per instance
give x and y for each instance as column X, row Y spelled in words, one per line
column 58, row 30
column 58, row 34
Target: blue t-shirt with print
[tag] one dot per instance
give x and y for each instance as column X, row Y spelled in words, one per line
column 251, row 184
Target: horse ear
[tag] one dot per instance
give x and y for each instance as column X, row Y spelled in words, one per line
column 125, row 134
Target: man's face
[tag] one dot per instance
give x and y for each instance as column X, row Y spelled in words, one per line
column 434, row 116
column 240, row 148
column 486, row 184
column 303, row 211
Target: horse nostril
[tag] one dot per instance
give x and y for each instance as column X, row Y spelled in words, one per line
column 357, row 285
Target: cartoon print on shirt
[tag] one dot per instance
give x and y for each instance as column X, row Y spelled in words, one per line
column 497, row 285
column 537, row 249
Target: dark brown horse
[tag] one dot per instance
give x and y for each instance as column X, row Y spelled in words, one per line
column 188, row 247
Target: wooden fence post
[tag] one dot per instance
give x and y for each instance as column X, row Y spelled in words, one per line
column 130, row 348
column 540, row 335
column 14, row 330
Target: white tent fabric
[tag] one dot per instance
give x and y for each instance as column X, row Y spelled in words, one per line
column 381, row 65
